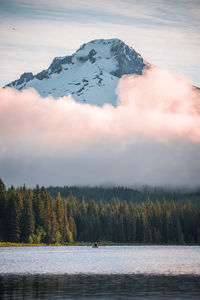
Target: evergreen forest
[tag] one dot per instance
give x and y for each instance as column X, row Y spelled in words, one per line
column 77, row 214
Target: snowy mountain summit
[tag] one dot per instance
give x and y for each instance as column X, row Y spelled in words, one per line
column 90, row 75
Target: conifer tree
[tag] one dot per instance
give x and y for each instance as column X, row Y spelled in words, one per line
column 59, row 211
column 28, row 219
column 3, row 211
column 55, row 233
column 72, row 227
column 15, row 207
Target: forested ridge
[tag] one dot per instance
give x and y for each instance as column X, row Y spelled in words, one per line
column 39, row 216
column 108, row 194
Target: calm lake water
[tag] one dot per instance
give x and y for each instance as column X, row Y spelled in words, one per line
column 112, row 272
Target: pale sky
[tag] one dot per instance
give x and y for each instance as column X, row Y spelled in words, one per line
column 165, row 33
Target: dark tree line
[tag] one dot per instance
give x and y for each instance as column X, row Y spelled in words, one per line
column 35, row 216
column 108, row 194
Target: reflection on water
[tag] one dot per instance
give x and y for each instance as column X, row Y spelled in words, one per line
column 99, row 287
column 124, row 272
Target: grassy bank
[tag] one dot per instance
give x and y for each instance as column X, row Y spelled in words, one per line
column 10, row 244
column 103, row 243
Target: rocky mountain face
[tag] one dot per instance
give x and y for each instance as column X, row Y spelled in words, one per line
column 90, row 75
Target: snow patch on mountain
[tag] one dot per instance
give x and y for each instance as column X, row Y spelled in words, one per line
column 90, row 75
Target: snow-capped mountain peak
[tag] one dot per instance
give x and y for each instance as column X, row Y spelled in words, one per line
column 90, row 74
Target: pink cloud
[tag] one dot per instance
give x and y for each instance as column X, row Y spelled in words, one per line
column 158, row 104
column 154, row 110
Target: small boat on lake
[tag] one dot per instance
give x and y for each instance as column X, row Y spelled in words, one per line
column 95, row 245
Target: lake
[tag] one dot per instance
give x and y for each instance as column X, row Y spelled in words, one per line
column 110, row 272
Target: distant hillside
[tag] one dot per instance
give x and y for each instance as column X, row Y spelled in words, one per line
column 107, row 194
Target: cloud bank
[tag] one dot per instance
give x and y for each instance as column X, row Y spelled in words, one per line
column 151, row 137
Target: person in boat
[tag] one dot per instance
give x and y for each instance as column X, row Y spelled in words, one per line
column 96, row 245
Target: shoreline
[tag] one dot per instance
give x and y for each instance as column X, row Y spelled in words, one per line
column 10, row 244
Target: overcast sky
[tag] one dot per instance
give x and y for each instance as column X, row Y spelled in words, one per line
column 164, row 32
